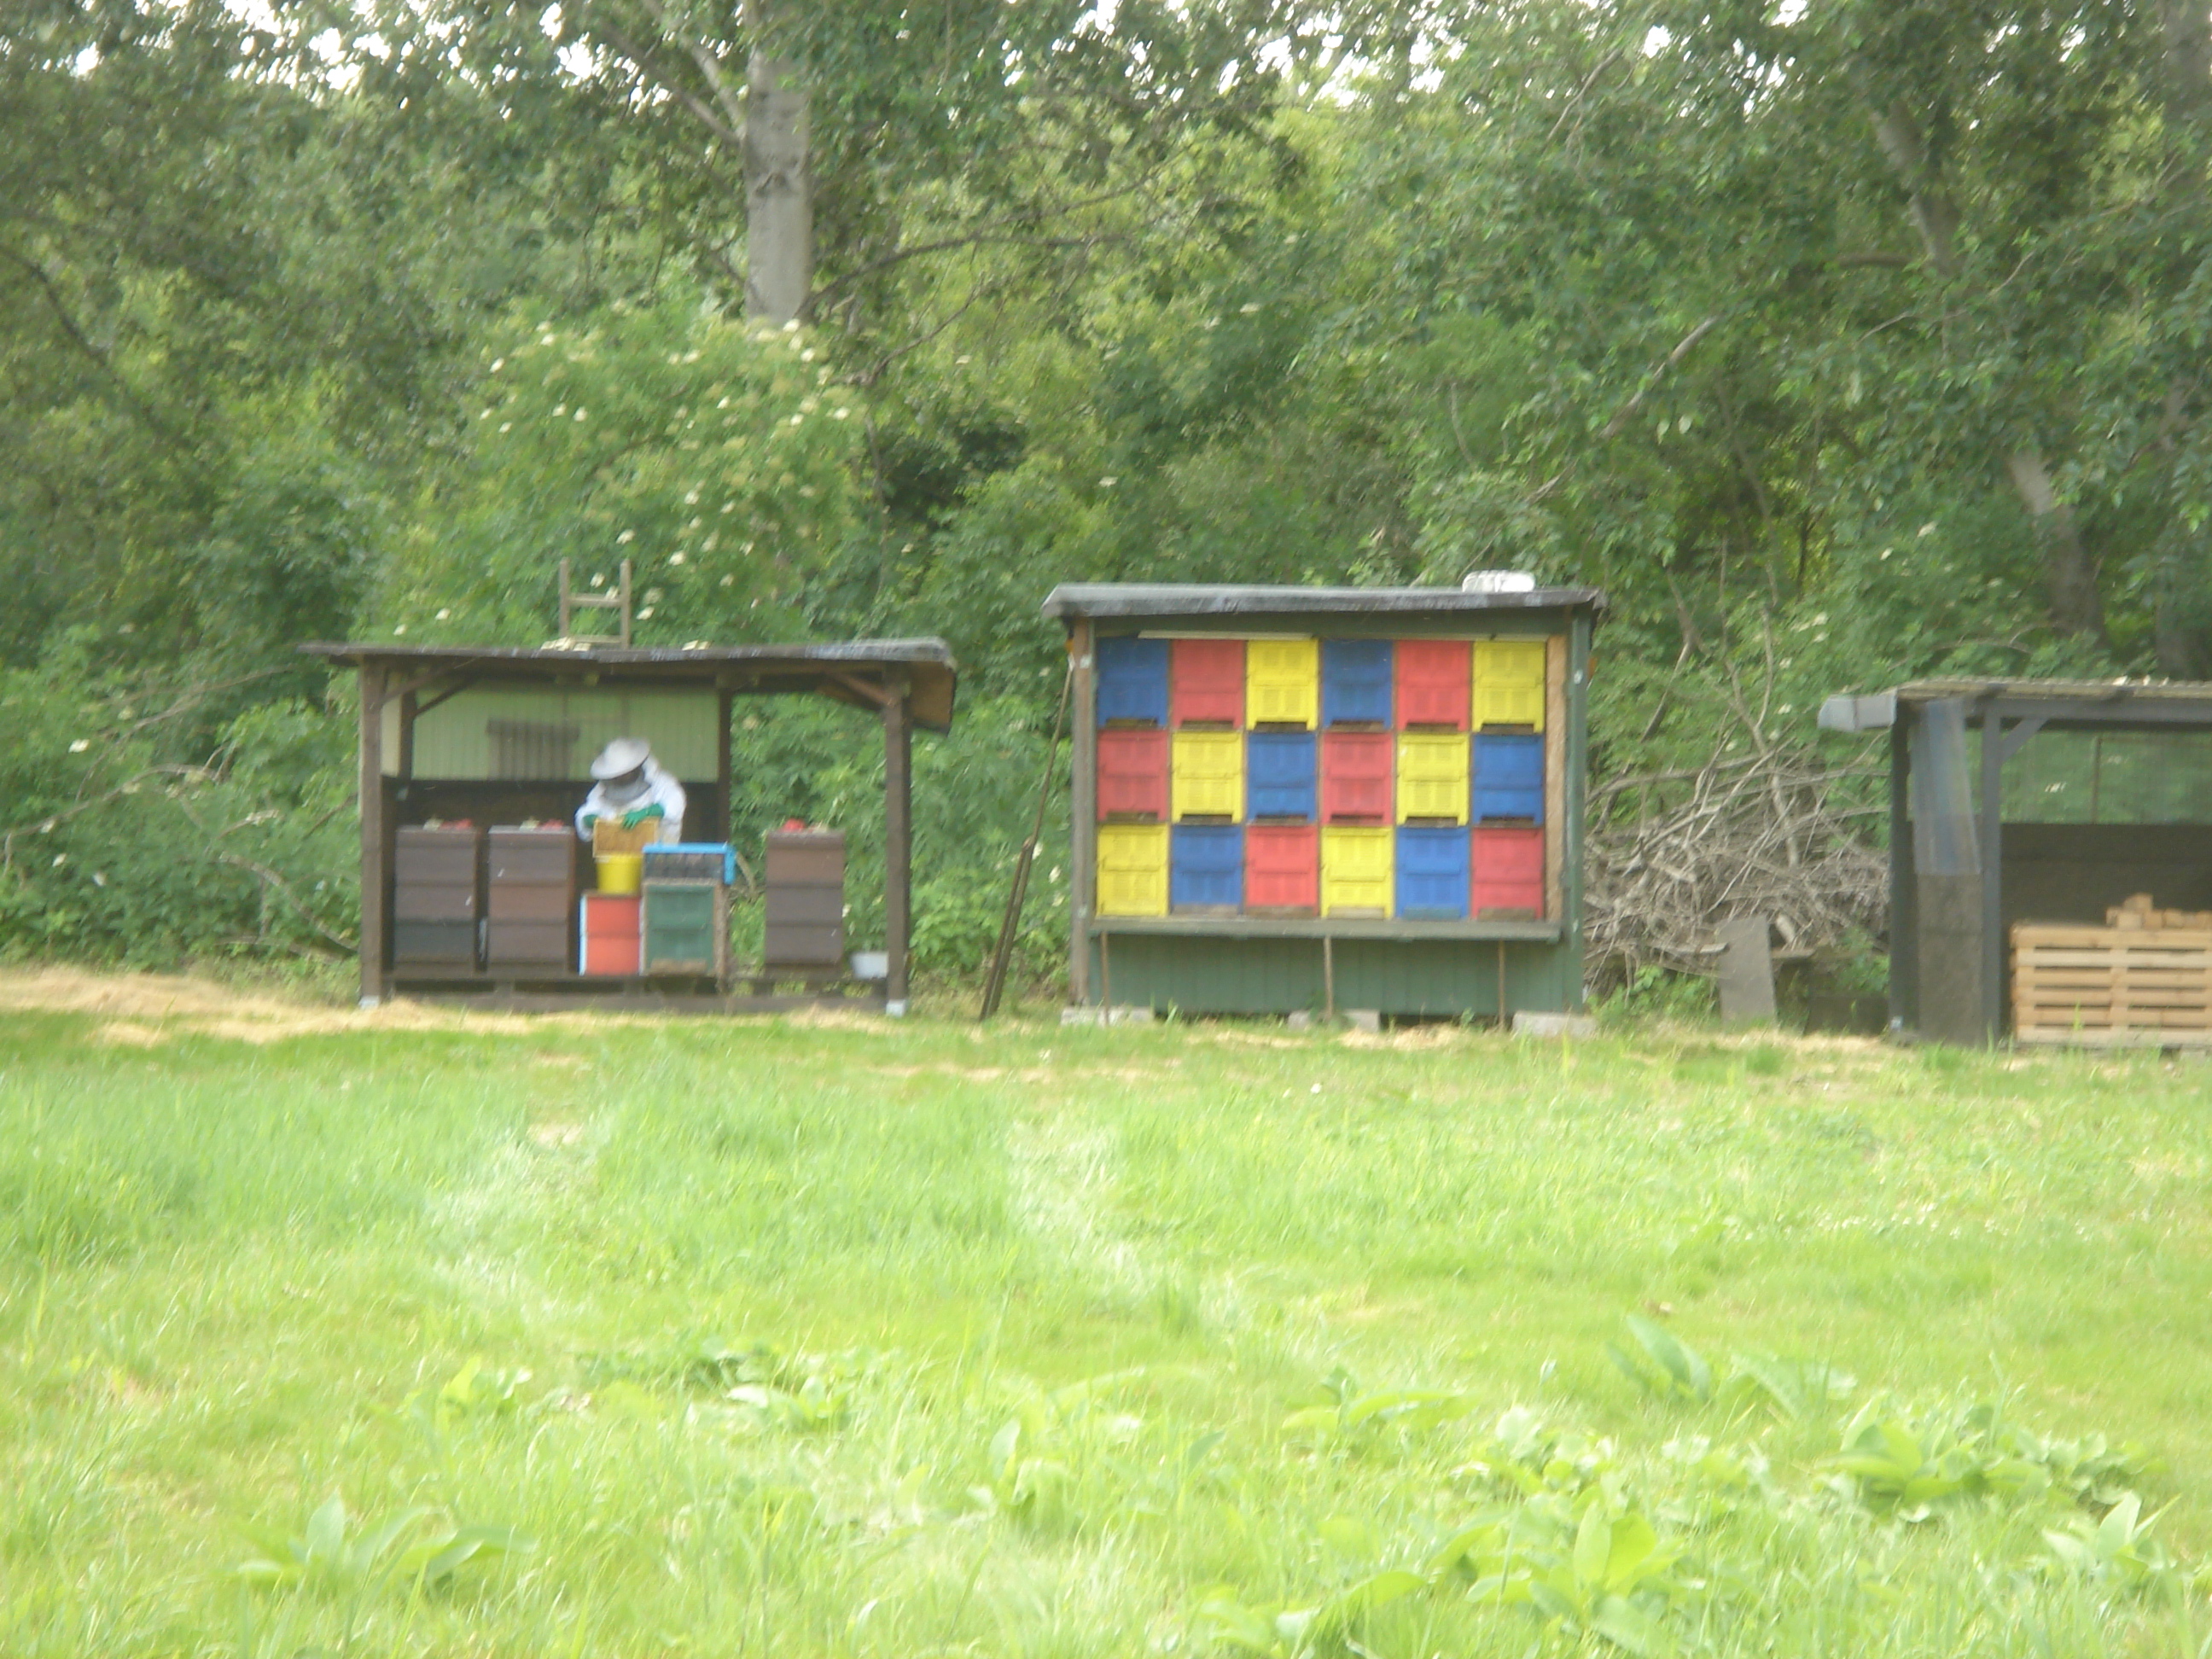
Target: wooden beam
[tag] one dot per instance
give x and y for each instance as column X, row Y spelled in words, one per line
column 1992, row 827
column 724, row 779
column 409, row 712
column 1555, row 776
column 898, row 846
column 1083, row 813
column 373, row 836
column 1904, row 944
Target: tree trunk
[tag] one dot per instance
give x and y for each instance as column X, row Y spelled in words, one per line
column 2188, row 28
column 779, row 193
column 2069, row 573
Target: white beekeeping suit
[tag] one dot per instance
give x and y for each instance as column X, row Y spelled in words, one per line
column 632, row 787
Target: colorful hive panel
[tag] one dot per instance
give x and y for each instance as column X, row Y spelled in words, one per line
column 1133, row 776
column 1288, row 776
column 1359, row 772
column 1282, row 776
column 1133, row 870
column 1282, row 682
column 1508, row 868
column 1355, row 870
column 1432, row 683
column 1207, row 779
column 1282, row 867
column 1132, row 680
column 1207, row 682
column 1433, row 873
column 1509, row 684
column 1432, row 772
column 1355, row 682
column 1205, row 867
column 1509, row 778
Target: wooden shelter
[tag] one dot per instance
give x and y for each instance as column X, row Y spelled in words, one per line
column 2102, row 791
column 499, row 734
column 1284, row 796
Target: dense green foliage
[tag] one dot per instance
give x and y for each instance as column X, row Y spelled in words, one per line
column 1839, row 342
column 850, row 1339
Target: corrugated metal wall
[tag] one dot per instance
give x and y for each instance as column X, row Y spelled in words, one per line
column 549, row 734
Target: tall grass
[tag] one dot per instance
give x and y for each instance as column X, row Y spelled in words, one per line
column 775, row 1338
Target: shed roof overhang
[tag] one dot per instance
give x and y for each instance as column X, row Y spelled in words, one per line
column 1172, row 602
column 858, row 672
column 2058, row 705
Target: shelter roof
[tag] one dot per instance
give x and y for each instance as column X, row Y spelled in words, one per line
column 846, row 669
column 2114, row 691
column 1162, row 601
column 2058, row 703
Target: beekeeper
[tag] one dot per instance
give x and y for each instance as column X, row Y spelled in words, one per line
column 632, row 787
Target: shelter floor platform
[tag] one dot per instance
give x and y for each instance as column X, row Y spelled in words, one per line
column 542, row 992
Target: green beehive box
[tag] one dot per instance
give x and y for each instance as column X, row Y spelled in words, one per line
column 683, row 931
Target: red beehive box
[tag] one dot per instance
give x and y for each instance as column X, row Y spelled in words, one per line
column 1282, row 867
column 1133, row 776
column 1205, row 683
column 1359, row 772
column 1508, row 874
column 611, row 933
column 1433, row 689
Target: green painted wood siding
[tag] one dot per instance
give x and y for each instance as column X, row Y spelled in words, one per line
column 496, row 732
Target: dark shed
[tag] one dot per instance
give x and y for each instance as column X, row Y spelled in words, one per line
column 1238, row 911
column 2103, row 789
column 490, row 732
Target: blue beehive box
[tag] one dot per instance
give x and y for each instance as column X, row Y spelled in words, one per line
column 1132, row 681
column 1433, row 867
column 1282, row 776
column 1206, row 866
column 1509, row 778
column 1355, row 682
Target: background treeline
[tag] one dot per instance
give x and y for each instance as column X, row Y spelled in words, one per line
column 1840, row 343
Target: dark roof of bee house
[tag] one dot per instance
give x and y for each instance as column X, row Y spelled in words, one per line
column 850, row 671
column 1167, row 601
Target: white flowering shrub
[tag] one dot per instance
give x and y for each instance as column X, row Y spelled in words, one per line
column 719, row 457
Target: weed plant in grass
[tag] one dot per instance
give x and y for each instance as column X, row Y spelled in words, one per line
column 630, row 1337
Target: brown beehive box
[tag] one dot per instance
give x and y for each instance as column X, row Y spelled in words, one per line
column 806, row 899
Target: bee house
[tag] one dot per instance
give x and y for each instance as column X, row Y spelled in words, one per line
column 1296, row 798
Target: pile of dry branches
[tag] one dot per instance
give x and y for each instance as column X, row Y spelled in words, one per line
column 1758, row 830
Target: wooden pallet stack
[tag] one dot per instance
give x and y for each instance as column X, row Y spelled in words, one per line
column 2144, row 979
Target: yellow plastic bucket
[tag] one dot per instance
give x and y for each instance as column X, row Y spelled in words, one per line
column 621, row 873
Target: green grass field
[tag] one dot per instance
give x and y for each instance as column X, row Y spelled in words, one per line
column 904, row 1339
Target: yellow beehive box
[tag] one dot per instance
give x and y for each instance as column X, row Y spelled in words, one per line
column 1282, row 682
column 1207, row 777
column 1132, row 869
column 1356, row 870
column 1509, row 683
column 1432, row 776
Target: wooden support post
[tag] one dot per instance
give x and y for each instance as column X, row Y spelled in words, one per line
column 1328, row 979
column 898, row 845
column 1083, row 813
column 1903, row 939
column 1992, row 827
column 373, row 836
column 1555, row 775
column 409, row 709
column 725, row 828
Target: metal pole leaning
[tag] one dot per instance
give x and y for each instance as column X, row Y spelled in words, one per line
column 994, row 983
